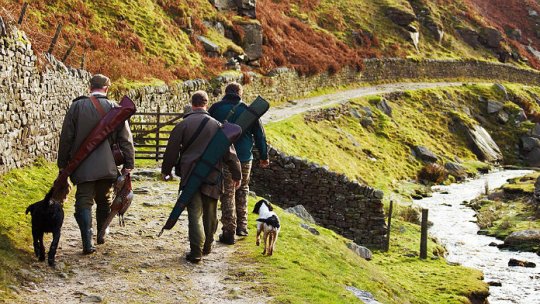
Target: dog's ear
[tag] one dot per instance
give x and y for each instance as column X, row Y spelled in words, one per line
column 269, row 205
column 257, row 206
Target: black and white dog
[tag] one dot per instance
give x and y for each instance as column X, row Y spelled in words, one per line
column 268, row 223
column 48, row 216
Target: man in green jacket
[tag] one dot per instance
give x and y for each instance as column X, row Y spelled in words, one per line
column 96, row 174
column 186, row 144
column 234, row 201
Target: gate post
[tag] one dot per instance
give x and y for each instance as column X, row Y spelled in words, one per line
column 158, row 126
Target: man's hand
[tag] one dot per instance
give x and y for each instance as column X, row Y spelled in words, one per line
column 165, row 177
column 236, row 184
column 264, row 163
column 125, row 171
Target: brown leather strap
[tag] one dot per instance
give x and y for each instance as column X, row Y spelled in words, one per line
column 98, row 106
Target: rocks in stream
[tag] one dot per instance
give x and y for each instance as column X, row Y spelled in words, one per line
column 520, row 263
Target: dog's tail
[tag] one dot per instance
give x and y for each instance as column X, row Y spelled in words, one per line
column 273, row 221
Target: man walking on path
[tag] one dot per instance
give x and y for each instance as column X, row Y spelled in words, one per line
column 187, row 143
column 234, row 201
column 96, row 174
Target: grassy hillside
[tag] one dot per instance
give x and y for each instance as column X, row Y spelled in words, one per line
column 307, row 268
column 157, row 39
column 380, row 154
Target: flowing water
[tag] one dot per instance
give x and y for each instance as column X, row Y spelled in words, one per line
column 454, row 225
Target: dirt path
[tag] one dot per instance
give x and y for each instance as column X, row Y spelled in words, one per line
column 302, row 105
column 135, row 266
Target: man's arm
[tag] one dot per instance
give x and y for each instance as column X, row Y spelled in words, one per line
column 67, row 136
column 260, row 143
column 124, row 138
column 173, row 150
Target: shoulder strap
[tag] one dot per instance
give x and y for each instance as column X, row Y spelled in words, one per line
column 97, row 105
column 232, row 111
column 196, row 134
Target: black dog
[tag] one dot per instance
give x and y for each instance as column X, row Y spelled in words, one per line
column 47, row 216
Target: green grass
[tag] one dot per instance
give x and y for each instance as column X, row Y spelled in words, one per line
column 316, row 269
column 20, row 188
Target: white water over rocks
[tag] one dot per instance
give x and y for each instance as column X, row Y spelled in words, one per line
column 454, row 225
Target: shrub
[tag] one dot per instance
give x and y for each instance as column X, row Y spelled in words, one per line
column 433, row 173
column 410, row 214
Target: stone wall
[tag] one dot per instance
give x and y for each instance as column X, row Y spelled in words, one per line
column 32, row 102
column 347, row 207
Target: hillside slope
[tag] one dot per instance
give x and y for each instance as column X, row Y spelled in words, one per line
column 169, row 40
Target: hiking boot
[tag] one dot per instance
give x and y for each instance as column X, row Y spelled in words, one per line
column 227, row 239
column 207, row 249
column 242, row 232
column 84, row 220
column 102, row 212
column 190, row 257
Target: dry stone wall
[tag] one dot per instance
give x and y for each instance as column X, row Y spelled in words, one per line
column 347, row 207
column 32, row 102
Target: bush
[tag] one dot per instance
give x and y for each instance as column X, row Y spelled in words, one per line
column 433, row 173
column 410, row 214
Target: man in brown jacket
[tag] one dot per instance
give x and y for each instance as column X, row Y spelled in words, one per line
column 96, row 174
column 186, row 144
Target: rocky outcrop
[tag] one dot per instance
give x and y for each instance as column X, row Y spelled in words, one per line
column 456, row 170
column 491, row 38
column 470, row 36
column 400, row 16
column 481, row 142
column 425, row 154
column 301, row 212
column 426, row 18
column 251, row 39
column 523, row 238
column 243, row 7
column 361, row 251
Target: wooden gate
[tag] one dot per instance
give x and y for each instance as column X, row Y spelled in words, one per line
column 151, row 131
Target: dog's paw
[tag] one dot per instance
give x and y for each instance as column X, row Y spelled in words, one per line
column 41, row 258
column 52, row 263
column 258, row 243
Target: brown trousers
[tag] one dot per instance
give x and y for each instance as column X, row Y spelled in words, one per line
column 234, row 202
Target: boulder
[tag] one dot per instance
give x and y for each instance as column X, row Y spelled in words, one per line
column 400, row 16
column 527, row 143
column 456, row 170
column 310, row 229
column 384, row 107
column 502, row 117
column 532, row 158
column 470, row 36
column 490, row 37
column 523, row 237
column 535, row 131
column 481, row 143
column 501, row 89
column 224, row 5
column 301, row 212
column 209, row 46
column 247, row 7
column 493, row 106
column 425, row 154
column 251, row 40
column 519, row 263
column 360, row 250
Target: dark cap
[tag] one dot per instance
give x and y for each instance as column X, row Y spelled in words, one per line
column 98, row 81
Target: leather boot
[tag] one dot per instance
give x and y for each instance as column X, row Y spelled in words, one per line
column 84, row 220
column 101, row 216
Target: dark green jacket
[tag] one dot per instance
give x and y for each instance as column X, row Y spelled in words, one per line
column 254, row 135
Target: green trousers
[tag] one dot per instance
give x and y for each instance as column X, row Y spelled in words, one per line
column 202, row 222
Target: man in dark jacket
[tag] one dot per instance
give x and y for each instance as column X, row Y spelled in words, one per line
column 185, row 147
column 234, row 201
column 96, row 174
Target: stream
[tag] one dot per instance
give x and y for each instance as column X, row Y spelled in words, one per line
column 455, row 226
